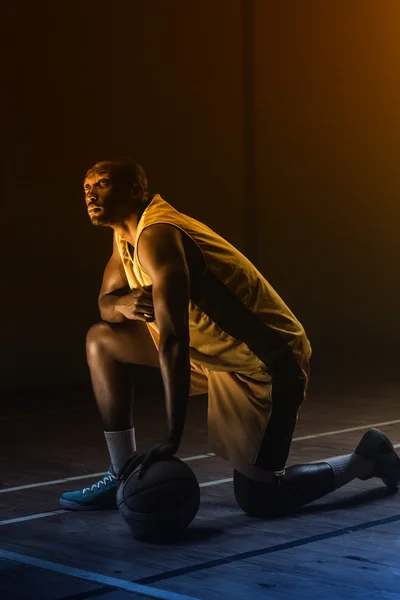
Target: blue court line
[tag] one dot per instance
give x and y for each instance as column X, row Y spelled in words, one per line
column 128, row 586
column 268, row 550
column 101, row 591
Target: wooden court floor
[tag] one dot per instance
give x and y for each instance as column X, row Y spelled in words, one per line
column 346, row 545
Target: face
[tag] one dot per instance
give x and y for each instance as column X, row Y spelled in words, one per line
column 108, row 200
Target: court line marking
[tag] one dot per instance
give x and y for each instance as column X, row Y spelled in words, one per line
column 140, row 586
column 197, row 457
column 78, row 477
column 204, row 484
column 347, row 430
column 99, row 591
column 32, row 517
column 129, row 586
column 216, row 482
column 268, row 550
column 59, row 512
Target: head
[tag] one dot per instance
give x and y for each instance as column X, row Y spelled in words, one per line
column 115, row 190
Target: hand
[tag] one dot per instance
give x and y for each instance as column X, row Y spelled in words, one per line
column 138, row 305
column 142, row 461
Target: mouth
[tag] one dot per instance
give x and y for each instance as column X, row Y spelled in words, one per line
column 93, row 210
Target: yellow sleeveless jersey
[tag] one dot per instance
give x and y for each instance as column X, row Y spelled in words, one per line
column 237, row 320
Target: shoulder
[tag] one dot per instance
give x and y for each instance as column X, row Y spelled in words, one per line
column 160, row 246
column 170, row 243
column 160, row 234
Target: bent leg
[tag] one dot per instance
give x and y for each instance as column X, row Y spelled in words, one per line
column 111, row 349
column 300, row 485
column 374, row 456
column 283, row 491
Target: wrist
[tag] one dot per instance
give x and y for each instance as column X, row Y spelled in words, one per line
column 118, row 305
column 174, row 439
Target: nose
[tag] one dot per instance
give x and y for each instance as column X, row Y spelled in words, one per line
column 90, row 196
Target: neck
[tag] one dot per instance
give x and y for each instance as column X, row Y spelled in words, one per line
column 128, row 227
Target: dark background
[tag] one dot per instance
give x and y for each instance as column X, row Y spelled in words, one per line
column 277, row 123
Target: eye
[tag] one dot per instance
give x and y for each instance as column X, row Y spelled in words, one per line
column 104, row 181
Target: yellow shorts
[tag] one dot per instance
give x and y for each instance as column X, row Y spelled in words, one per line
column 239, row 408
column 238, row 412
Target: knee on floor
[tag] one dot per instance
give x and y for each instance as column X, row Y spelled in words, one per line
column 259, row 499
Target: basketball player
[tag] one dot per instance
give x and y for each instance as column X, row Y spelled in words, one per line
column 177, row 296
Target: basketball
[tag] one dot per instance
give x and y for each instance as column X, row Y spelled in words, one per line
column 160, row 505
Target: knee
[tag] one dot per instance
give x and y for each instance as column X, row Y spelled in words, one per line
column 243, row 493
column 300, row 485
column 97, row 337
column 258, row 499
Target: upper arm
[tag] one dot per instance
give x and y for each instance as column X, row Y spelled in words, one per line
column 114, row 278
column 161, row 252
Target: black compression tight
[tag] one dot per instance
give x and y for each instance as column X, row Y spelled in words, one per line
column 300, row 485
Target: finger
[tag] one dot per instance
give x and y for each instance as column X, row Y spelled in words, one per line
column 147, row 314
column 125, row 468
column 147, row 295
column 146, row 310
column 147, row 298
column 133, row 462
column 139, row 317
column 147, row 461
column 144, row 294
column 142, row 301
column 144, row 307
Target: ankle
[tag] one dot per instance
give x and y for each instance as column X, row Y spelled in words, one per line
column 121, row 445
column 349, row 467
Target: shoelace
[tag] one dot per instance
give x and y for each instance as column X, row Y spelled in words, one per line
column 107, row 479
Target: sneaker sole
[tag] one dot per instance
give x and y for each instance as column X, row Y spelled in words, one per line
column 391, row 483
column 74, row 506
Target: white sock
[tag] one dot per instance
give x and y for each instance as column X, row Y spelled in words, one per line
column 121, row 445
column 349, row 467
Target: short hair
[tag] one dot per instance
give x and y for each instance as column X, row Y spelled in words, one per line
column 127, row 170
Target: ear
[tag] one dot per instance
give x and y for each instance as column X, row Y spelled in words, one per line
column 137, row 190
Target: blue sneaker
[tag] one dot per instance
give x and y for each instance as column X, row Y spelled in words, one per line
column 99, row 496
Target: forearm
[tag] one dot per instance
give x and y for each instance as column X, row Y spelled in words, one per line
column 108, row 306
column 175, row 370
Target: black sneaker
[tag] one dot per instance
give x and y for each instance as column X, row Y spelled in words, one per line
column 376, row 447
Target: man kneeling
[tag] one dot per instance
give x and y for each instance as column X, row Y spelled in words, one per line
column 177, row 296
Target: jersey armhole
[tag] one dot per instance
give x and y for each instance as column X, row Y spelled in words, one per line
column 202, row 257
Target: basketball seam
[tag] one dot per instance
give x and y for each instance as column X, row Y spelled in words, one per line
column 157, row 485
